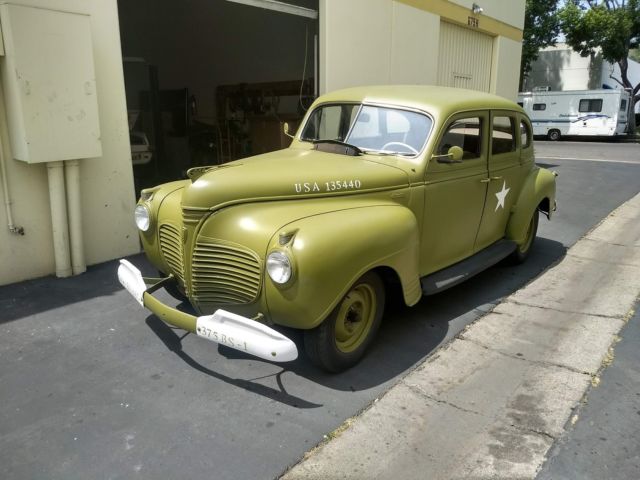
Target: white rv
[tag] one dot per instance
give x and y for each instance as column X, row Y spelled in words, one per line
column 577, row 112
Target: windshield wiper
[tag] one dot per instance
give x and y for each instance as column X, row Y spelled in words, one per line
column 337, row 146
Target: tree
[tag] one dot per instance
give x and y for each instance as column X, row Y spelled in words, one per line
column 611, row 26
column 541, row 28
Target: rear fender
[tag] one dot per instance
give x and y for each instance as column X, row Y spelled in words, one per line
column 540, row 185
column 331, row 251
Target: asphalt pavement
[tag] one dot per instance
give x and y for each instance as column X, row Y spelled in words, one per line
column 602, row 439
column 92, row 386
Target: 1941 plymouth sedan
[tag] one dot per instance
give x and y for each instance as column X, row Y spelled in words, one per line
column 414, row 186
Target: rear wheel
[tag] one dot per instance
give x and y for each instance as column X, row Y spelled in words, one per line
column 553, row 135
column 524, row 249
column 340, row 341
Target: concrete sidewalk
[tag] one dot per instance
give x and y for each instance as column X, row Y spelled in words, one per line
column 492, row 402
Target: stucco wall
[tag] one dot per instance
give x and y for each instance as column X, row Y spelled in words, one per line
column 391, row 42
column 510, row 12
column 376, row 42
column 106, row 182
column 505, row 71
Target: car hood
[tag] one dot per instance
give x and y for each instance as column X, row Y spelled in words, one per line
column 290, row 174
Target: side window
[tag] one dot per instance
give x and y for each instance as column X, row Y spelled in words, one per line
column 525, row 134
column 623, row 105
column 539, row 106
column 590, row 105
column 465, row 133
column 503, row 135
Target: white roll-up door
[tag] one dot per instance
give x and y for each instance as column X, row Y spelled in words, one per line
column 465, row 58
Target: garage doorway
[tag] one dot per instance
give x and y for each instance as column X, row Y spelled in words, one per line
column 464, row 58
column 210, row 81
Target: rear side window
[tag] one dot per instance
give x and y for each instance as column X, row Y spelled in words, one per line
column 623, row 105
column 539, row 106
column 503, row 135
column 525, row 134
column 465, row 133
column 590, row 105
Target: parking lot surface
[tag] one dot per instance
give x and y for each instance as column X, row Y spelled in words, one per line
column 93, row 386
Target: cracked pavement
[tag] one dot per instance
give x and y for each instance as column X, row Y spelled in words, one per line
column 493, row 401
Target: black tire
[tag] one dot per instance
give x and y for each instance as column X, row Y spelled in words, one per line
column 326, row 345
column 174, row 290
column 554, row 135
column 522, row 252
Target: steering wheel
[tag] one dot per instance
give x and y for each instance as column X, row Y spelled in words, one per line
column 408, row 147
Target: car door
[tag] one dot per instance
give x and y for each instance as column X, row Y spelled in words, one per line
column 454, row 192
column 505, row 177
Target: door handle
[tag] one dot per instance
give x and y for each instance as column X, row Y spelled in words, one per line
column 487, row 180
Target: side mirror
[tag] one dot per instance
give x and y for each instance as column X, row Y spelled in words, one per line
column 455, row 153
column 285, row 129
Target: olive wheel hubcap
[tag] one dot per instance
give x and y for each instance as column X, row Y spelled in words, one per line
column 355, row 317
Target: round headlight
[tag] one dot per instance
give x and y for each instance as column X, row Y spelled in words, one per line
column 143, row 217
column 279, row 267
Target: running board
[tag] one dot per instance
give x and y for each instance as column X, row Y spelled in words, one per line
column 461, row 271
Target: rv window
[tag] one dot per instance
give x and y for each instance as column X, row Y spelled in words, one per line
column 590, row 105
column 521, row 104
column 525, row 134
column 539, row 106
column 503, row 138
column 465, row 133
column 623, row 105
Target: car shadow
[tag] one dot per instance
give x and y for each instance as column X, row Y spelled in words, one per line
column 407, row 336
column 31, row 297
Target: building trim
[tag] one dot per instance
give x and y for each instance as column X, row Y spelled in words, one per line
column 458, row 14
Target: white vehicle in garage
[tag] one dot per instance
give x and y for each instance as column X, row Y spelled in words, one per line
column 577, row 112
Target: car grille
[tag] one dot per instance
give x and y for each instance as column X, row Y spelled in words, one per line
column 191, row 216
column 171, row 247
column 225, row 274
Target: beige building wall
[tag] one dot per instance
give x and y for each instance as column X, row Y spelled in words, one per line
column 365, row 42
column 106, row 182
column 506, row 64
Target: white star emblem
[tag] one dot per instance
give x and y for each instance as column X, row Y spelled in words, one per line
column 501, row 195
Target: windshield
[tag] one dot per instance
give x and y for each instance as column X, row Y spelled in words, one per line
column 370, row 128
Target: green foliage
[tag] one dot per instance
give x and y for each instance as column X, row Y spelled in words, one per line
column 541, row 28
column 612, row 26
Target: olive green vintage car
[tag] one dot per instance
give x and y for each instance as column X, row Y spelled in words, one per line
column 409, row 187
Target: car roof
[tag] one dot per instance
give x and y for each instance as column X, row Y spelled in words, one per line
column 439, row 101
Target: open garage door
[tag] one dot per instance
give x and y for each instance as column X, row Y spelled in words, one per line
column 209, row 81
column 465, row 58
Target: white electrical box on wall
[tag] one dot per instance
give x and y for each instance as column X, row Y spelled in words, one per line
column 49, row 84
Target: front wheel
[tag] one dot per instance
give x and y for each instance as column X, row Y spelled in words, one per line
column 340, row 341
column 524, row 249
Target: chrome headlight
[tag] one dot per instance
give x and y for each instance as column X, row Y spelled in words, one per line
column 143, row 217
column 279, row 267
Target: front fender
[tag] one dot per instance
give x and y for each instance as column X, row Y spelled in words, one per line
column 165, row 197
column 539, row 185
column 332, row 250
